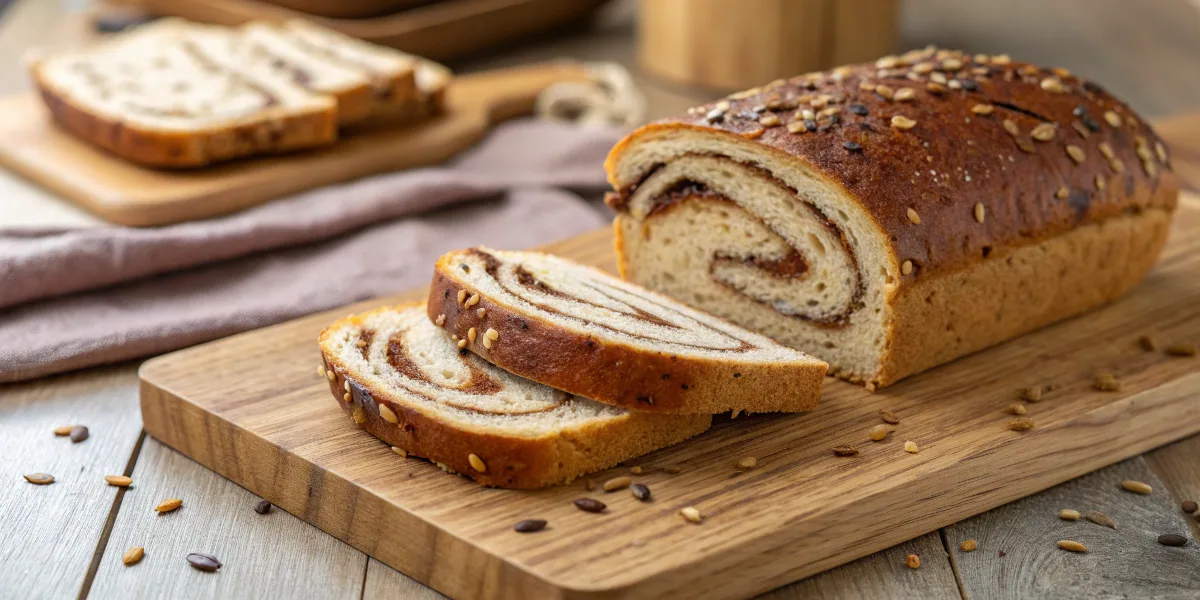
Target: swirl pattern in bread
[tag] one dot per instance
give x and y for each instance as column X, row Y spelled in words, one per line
column 406, row 382
column 582, row 330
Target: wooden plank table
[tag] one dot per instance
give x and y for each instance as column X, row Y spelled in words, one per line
column 69, row 538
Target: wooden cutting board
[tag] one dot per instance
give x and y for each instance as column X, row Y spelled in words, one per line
column 253, row 408
column 126, row 194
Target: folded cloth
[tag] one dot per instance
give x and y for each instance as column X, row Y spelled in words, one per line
column 76, row 298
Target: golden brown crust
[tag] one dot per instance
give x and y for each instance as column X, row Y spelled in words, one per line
column 171, row 149
column 954, row 157
column 617, row 374
column 511, row 462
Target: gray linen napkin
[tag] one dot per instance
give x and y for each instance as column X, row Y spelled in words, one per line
column 76, row 298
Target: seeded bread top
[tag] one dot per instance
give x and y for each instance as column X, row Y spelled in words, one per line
column 955, row 156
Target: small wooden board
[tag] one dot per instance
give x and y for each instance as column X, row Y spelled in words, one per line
column 127, row 194
column 253, row 408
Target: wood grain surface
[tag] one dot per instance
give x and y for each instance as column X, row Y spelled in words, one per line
column 252, row 408
column 127, row 194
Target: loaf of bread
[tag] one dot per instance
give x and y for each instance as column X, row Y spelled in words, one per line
column 890, row 217
column 581, row 330
column 402, row 379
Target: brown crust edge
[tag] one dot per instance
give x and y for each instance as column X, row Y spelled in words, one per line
column 166, row 149
column 515, row 463
column 617, row 374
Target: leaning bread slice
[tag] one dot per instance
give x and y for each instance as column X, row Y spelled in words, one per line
column 587, row 332
column 406, row 382
column 154, row 97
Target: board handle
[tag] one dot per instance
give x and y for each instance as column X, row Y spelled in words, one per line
column 503, row 94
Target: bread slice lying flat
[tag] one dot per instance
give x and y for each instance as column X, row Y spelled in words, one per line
column 584, row 331
column 406, row 382
column 153, row 96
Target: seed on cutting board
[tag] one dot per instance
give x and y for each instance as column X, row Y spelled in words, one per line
column 529, row 525
column 878, row 432
column 1022, row 424
column 911, row 447
column 1181, row 349
column 590, row 505
column 747, row 463
column 1147, row 343
column 889, row 417
column 640, row 491
column 1136, row 487
column 39, row 478
column 63, row 430
column 1189, row 506
column 1107, row 382
column 118, row 480
column 1100, row 518
column 968, row 546
column 168, row 505
column 636, row 470
column 1072, row 546
column 1032, row 393
column 462, row 295
column 263, row 507
column 691, row 514
column 133, row 555
column 617, row 483
column 203, row 562
column 477, row 463
column 1172, row 539
column 672, row 470
column 78, row 434
column 913, row 561
column 401, row 451
column 1068, row 514
column 1016, row 408
column 589, row 485
column 845, row 450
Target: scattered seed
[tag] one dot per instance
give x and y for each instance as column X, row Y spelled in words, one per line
column 1044, row 132
column 133, row 555
column 359, row 416
column 1107, row 382
column 320, row 373
column 691, row 514
column 1113, row 118
column 1072, row 546
column 1076, row 153
column 982, row 109
column 1053, row 85
column 590, row 505
column 852, row 146
column 845, row 450
column 481, row 312
column 1137, row 487
column 529, row 525
column 39, row 478
column 617, row 483
column 1069, row 514
column 1011, row 127
column 672, row 470
column 1062, row 193
column 904, row 95
column 346, row 397
column 1016, row 408
column 1100, row 518
column 769, row 120
column 78, row 434
column 797, row 127
column 118, row 480
column 63, row 430
column 1172, row 539
column 462, row 344
column 903, row 122
column 913, row 561
column 968, row 546
column 477, row 463
column 387, row 414
column 906, row 267
column 747, row 463
column 491, row 334
column 1189, row 506
column 262, row 507
column 885, row 91
column 168, row 505
column 331, row 375
column 635, row 470
column 889, row 417
column 1022, row 424
column 979, row 212
column 589, row 484
column 878, row 432
column 935, row 88
column 1181, row 349
column 462, row 295
column 472, row 334
column 441, row 319
column 913, row 216
column 401, row 451
column 640, row 491
column 911, row 447
column 203, row 562
column 1147, row 343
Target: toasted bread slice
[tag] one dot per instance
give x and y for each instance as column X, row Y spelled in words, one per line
column 405, row 381
column 584, row 331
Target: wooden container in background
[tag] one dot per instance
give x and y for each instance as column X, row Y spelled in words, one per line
column 735, row 44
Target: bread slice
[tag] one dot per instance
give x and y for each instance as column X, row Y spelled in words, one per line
column 154, row 97
column 406, row 382
column 584, row 331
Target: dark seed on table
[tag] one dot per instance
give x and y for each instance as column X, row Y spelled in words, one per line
column 590, row 505
column 263, row 507
column 530, row 525
column 1189, row 506
column 640, row 491
column 204, row 562
column 1172, row 539
column 79, row 433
